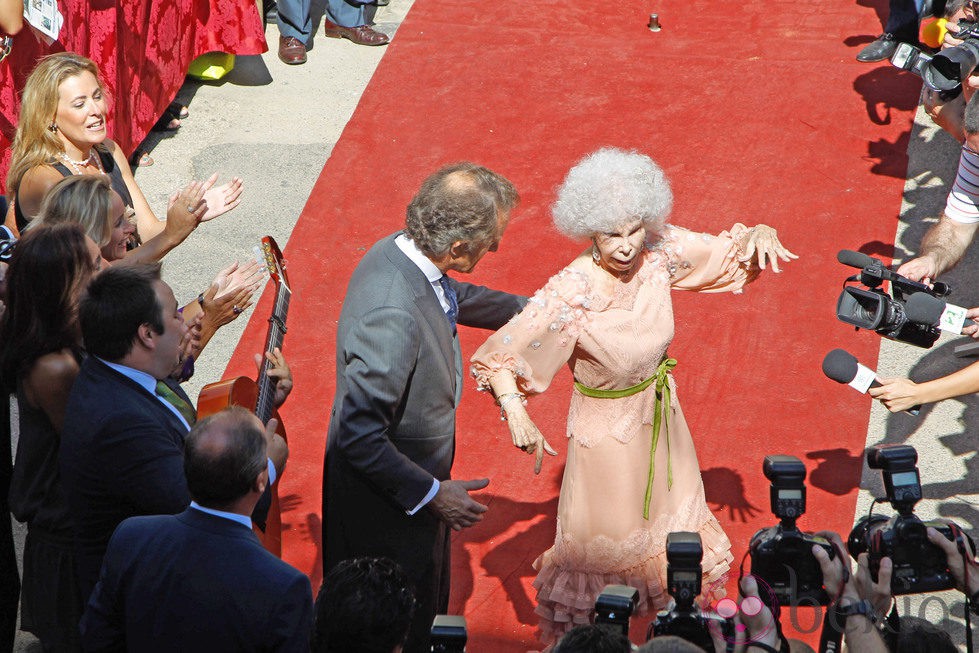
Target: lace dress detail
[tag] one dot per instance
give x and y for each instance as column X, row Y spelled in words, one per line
column 613, row 335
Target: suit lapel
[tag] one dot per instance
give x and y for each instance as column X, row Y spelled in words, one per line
column 151, row 401
column 425, row 299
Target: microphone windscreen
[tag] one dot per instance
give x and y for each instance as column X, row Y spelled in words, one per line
column 854, row 259
column 840, row 365
column 924, row 309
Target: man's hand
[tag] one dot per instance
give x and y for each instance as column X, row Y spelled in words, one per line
column 972, row 331
column 923, row 269
column 957, row 560
column 455, row 507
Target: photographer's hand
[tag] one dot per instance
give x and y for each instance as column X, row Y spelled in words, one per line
column 879, row 593
column 923, row 269
column 837, row 578
column 947, row 115
column 757, row 618
column 956, row 562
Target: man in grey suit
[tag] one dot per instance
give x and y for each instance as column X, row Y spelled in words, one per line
column 387, row 489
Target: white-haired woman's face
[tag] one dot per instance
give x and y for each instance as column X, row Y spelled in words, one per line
column 618, row 251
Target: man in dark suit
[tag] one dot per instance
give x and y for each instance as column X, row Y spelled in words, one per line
column 121, row 452
column 201, row 580
column 387, row 490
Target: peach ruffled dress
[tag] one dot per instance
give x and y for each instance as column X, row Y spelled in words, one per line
column 613, row 341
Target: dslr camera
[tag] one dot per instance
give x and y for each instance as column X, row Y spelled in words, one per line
column 873, row 309
column 684, row 552
column 918, row 565
column 615, row 605
column 945, row 71
column 449, row 634
column 782, row 555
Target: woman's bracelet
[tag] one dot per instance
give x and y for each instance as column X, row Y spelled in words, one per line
column 506, row 398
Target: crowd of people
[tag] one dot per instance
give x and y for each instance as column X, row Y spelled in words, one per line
column 140, row 512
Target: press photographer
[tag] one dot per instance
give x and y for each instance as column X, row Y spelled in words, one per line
column 918, row 565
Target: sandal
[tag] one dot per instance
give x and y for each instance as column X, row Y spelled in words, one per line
column 141, row 159
column 178, row 110
column 168, row 122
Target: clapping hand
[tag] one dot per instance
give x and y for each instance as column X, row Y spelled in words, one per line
column 185, row 210
column 223, row 198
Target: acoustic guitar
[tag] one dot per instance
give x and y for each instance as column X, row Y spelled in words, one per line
column 259, row 397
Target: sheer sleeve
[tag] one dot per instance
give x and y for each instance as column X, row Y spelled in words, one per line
column 706, row 263
column 540, row 339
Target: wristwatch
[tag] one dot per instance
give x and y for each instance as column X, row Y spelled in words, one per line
column 864, row 607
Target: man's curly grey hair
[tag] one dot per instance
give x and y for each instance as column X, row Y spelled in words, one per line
column 608, row 189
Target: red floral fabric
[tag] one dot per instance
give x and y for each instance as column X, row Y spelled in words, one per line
column 143, row 49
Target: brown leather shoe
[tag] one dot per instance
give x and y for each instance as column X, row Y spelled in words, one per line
column 291, row 50
column 363, row 35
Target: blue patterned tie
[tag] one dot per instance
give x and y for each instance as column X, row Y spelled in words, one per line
column 453, row 299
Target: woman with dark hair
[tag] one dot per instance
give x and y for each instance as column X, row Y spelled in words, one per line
column 39, row 360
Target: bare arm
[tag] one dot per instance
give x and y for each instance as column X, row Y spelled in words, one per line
column 941, row 249
column 900, row 394
column 147, row 224
column 48, row 384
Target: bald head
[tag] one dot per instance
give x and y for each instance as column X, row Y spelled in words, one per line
column 224, row 454
column 459, row 203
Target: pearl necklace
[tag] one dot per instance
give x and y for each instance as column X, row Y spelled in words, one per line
column 76, row 165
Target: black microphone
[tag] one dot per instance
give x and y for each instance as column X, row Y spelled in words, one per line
column 855, row 259
column 843, row 367
column 860, row 260
column 925, row 309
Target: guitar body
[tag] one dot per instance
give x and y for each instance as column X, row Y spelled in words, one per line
column 243, row 391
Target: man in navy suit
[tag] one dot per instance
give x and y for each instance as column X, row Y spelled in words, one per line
column 201, row 580
column 121, row 452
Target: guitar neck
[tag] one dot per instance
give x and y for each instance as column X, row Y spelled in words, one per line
column 276, row 334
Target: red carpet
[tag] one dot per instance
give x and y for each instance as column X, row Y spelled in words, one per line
column 757, row 112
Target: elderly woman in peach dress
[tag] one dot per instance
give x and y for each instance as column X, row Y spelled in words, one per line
column 632, row 474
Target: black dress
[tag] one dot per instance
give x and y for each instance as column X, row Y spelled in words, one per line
column 50, row 600
column 111, row 169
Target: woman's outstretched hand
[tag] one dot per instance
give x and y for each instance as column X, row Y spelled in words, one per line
column 223, row 198
column 526, row 436
column 763, row 246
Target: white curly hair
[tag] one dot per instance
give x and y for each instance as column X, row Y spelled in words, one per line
column 609, row 188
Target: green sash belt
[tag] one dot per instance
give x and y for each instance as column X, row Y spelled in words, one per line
column 661, row 379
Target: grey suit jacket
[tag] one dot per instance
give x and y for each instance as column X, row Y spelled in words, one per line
column 392, row 428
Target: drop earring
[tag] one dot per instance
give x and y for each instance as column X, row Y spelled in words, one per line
column 52, row 128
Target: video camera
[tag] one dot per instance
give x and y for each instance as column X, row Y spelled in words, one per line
column 874, row 309
column 918, row 565
column 943, row 72
column 782, row 555
column 684, row 552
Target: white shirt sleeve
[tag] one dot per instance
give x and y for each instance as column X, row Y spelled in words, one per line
column 428, row 497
